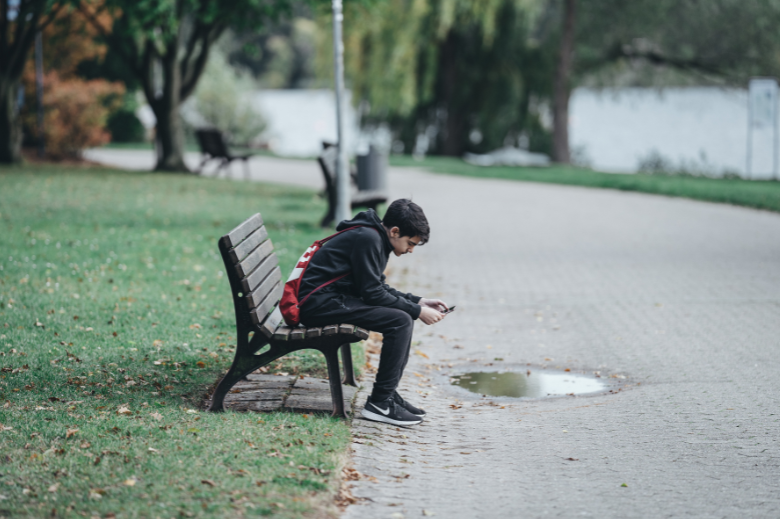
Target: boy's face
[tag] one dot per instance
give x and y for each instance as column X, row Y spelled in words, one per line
column 402, row 244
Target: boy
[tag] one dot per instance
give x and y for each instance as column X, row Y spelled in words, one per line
column 362, row 298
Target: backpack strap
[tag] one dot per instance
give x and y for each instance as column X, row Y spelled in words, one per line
column 337, row 278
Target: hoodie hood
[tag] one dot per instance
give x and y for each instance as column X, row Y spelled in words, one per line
column 368, row 218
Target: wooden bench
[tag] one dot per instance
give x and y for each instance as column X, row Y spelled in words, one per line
column 370, row 199
column 257, row 284
column 212, row 145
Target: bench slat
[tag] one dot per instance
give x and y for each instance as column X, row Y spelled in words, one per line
column 259, row 294
column 251, row 262
column 240, row 233
column 346, row 328
column 250, row 282
column 313, row 332
column 298, row 334
column 330, row 329
column 282, row 333
column 243, row 249
column 260, row 313
column 269, row 325
column 362, row 333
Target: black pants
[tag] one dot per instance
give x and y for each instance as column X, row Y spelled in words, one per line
column 394, row 325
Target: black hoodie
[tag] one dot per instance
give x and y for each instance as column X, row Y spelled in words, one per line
column 364, row 253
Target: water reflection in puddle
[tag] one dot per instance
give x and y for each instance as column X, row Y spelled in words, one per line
column 537, row 384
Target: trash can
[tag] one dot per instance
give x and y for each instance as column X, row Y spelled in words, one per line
column 372, row 170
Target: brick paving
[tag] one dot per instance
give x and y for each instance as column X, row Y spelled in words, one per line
column 680, row 297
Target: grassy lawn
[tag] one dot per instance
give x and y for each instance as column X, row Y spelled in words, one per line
column 115, row 320
column 749, row 193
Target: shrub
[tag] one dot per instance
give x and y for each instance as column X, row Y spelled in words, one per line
column 75, row 114
column 222, row 100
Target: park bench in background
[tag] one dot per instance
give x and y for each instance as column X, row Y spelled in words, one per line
column 212, row 145
column 256, row 283
column 370, row 199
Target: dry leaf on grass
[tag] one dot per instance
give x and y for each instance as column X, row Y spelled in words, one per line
column 70, row 432
column 157, row 416
column 208, row 482
column 124, row 410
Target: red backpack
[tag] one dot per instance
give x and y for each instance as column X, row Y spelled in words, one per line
column 289, row 305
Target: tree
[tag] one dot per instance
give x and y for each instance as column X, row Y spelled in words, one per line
column 561, row 85
column 19, row 22
column 166, row 43
column 458, row 70
column 721, row 42
column 75, row 111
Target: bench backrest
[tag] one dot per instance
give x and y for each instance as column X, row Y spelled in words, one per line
column 254, row 273
column 212, row 142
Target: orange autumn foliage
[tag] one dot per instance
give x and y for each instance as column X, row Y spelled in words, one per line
column 75, row 110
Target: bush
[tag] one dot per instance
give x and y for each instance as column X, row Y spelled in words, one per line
column 75, row 114
column 123, row 123
column 223, row 101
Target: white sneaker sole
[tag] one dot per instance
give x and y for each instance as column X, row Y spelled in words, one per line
column 381, row 418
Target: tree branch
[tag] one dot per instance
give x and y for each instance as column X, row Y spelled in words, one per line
column 116, row 43
column 190, row 80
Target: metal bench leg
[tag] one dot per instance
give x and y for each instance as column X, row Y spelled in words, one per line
column 334, row 377
column 346, row 361
column 241, row 368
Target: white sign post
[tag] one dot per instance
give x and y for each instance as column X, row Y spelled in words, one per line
column 762, row 116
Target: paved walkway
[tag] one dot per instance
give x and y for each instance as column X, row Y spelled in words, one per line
column 681, row 297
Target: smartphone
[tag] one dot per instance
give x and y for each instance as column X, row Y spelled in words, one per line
column 452, row 309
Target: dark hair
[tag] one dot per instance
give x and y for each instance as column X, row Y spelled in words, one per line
column 409, row 218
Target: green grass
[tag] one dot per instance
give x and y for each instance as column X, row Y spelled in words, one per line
column 112, row 292
column 750, row 193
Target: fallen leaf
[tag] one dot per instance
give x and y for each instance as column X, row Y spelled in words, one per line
column 54, row 487
column 124, row 410
column 623, row 485
column 428, row 513
column 130, row 482
column 200, row 364
column 195, row 326
column 85, row 445
column 208, row 482
column 70, row 432
column 157, row 416
column 421, row 354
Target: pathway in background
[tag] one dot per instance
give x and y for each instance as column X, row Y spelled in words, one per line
column 681, row 297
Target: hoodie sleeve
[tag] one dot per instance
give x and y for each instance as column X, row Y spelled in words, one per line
column 367, row 265
column 411, row 297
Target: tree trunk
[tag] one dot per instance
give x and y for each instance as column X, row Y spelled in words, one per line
column 454, row 125
column 10, row 125
column 561, row 88
column 169, row 138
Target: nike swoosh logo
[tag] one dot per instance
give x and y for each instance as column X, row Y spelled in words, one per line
column 383, row 411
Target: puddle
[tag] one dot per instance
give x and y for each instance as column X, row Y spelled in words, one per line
column 539, row 384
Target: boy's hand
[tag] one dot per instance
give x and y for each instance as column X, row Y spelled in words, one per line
column 436, row 304
column 429, row 315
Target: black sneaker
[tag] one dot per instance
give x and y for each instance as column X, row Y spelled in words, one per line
column 389, row 412
column 406, row 405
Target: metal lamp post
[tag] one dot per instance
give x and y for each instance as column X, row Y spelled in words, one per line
column 343, row 208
